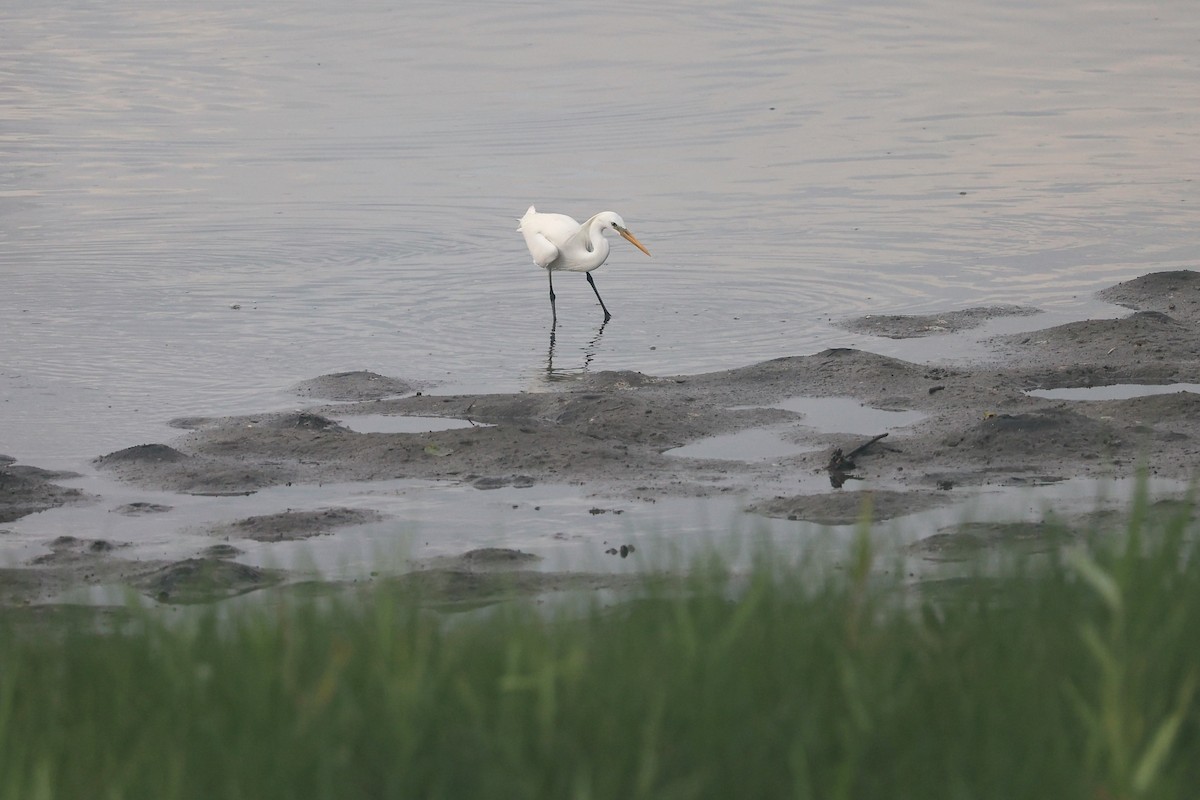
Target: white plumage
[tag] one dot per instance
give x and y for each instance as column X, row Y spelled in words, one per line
column 557, row 243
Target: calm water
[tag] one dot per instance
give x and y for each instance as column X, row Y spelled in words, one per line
column 352, row 178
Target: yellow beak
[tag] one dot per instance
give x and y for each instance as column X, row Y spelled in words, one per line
column 629, row 237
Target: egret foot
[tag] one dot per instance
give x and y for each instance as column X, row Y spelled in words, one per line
column 607, row 316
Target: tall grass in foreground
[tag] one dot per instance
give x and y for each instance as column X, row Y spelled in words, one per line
column 1071, row 680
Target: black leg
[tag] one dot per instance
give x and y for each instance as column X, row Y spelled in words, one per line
column 553, row 312
column 607, row 316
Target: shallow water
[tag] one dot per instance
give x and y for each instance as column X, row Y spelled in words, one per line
column 202, row 206
column 752, row 444
column 821, row 414
column 567, row 531
column 847, row 415
column 1116, row 391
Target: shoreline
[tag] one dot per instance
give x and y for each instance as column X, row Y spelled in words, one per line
column 975, row 427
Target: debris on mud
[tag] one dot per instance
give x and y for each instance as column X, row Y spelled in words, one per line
column 841, row 466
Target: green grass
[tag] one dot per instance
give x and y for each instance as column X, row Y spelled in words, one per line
column 1073, row 678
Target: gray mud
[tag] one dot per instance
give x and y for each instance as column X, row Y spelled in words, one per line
column 610, row 431
column 27, row 490
column 290, row 526
column 846, row 508
column 911, row 326
column 1174, row 293
column 360, row 385
column 203, row 580
column 489, row 574
column 74, row 563
column 967, row 541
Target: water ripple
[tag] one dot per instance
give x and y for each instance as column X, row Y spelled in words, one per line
column 201, row 206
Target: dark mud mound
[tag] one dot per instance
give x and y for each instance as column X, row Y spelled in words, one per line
column 67, row 550
column 163, row 467
column 27, row 490
column 1152, row 410
column 352, row 386
column 1163, row 430
column 142, row 454
column 300, row 420
column 831, row 371
column 1175, row 293
column 877, row 380
column 289, row 526
column 911, row 326
column 966, row 542
column 628, row 418
column 292, row 420
column 141, row 508
column 1145, row 347
column 500, row 481
column 19, row 586
column 450, row 589
column 622, row 379
column 203, row 580
column 1038, row 435
column 72, row 562
column 847, row 508
column 487, row 559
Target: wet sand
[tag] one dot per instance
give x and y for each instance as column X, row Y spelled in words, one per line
column 612, row 431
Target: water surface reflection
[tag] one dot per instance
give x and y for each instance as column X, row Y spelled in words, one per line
column 200, row 206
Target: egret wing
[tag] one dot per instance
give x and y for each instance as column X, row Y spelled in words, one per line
column 542, row 249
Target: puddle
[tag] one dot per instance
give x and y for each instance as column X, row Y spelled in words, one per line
column 571, row 531
column 1118, row 391
column 847, row 415
column 393, row 423
column 822, row 414
column 565, row 527
column 754, row 444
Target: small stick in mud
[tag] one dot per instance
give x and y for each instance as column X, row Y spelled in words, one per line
column 841, row 464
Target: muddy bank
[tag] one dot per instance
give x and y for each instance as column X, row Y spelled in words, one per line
column 616, row 429
column 909, row 326
column 290, row 526
column 613, row 432
column 75, row 563
column 1176, row 294
column 27, row 490
column 965, row 542
column 475, row 579
column 360, row 385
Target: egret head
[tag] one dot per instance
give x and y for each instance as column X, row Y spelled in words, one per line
column 612, row 219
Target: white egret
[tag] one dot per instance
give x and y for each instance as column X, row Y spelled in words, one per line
column 558, row 242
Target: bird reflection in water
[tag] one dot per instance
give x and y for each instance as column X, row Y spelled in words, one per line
column 571, row 373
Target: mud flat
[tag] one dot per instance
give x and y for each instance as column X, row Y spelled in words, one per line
column 612, row 431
